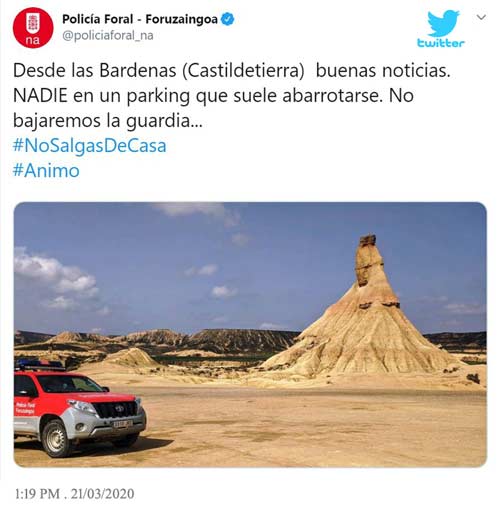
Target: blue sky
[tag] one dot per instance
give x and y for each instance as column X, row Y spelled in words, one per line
column 120, row 267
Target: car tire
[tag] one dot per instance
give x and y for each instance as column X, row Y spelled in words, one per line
column 126, row 441
column 55, row 440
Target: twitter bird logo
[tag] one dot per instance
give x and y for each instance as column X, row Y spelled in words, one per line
column 443, row 26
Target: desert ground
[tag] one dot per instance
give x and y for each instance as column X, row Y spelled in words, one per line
column 231, row 426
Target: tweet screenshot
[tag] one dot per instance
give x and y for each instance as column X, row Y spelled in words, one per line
column 244, row 254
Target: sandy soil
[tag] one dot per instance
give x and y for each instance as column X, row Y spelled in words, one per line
column 245, row 426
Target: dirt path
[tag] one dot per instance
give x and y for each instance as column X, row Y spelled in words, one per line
column 237, row 426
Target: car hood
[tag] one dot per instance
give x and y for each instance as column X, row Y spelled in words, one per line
column 97, row 397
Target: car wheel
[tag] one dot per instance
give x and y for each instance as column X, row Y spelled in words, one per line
column 55, row 439
column 126, row 441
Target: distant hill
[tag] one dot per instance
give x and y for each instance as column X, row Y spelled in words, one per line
column 459, row 342
column 163, row 340
column 239, row 341
column 75, row 348
column 77, row 337
column 219, row 341
column 23, row 337
column 157, row 339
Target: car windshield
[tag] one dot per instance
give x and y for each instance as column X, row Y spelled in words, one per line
column 68, row 383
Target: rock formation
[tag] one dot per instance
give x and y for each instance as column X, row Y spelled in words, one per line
column 241, row 341
column 364, row 332
column 133, row 357
column 156, row 340
column 77, row 337
column 22, row 337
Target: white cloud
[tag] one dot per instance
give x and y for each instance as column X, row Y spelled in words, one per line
column 96, row 330
column 51, row 272
column 428, row 299
column 84, row 284
column 205, row 270
column 240, row 239
column 61, row 303
column 270, row 325
column 217, row 211
column 465, row 309
column 223, row 292
column 55, row 286
column 451, row 323
column 208, row 270
column 220, row 319
column 104, row 311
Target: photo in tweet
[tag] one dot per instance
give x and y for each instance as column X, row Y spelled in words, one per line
column 250, row 334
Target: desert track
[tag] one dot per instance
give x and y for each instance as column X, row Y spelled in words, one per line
column 240, row 426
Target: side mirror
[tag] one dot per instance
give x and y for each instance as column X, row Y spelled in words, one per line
column 105, row 389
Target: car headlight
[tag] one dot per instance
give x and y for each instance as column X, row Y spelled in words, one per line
column 138, row 402
column 82, row 406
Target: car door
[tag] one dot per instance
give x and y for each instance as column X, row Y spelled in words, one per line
column 25, row 405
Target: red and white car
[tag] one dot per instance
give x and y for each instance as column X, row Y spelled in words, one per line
column 61, row 409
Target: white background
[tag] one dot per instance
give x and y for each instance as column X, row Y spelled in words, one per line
column 439, row 148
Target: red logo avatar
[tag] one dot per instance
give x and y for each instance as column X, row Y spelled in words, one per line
column 33, row 27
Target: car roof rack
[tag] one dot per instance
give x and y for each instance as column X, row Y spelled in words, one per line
column 38, row 365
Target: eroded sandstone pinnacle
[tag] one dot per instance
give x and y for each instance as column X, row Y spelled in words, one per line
column 365, row 331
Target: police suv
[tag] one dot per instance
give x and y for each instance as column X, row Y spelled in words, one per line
column 62, row 409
